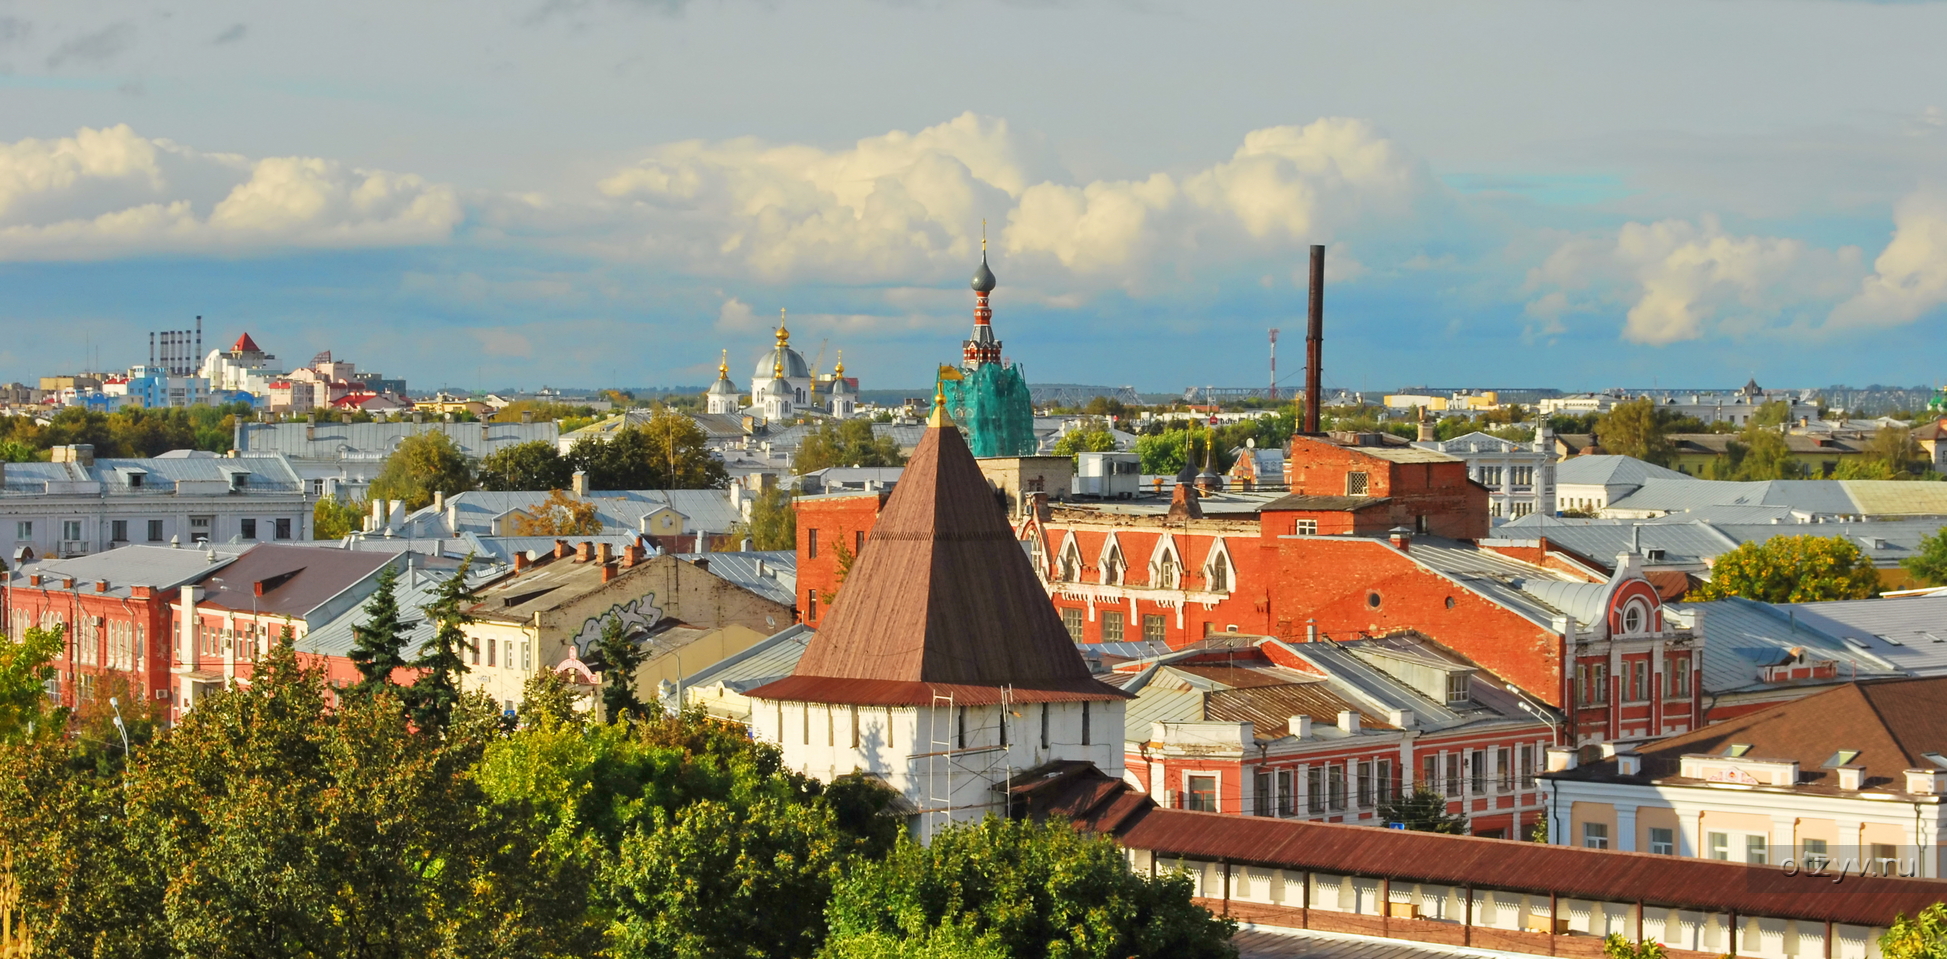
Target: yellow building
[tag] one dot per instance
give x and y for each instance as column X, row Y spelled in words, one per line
column 1847, row 779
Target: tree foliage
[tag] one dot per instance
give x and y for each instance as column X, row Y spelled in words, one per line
column 1422, row 810
column 1633, row 429
column 620, row 657
column 1922, row 936
column 432, row 698
column 1791, row 569
column 1090, row 436
column 1928, row 564
column 559, row 515
column 1024, row 890
column 1896, row 452
column 131, row 431
column 334, row 518
column 423, row 464
column 773, row 522
column 845, row 443
column 25, row 667
column 1617, row 946
column 379, row 640
column 534, row 465
column 668, row 452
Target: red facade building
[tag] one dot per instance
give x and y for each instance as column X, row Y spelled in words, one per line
column 832, row 530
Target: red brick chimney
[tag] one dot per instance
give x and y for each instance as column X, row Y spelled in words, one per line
column 583, row 550
column 560, row 548
column 604, row 552
column 521, row 562
column 608, row 572
column 1402, row 538
column 101, row 586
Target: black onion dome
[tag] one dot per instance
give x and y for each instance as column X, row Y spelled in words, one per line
column 983, row 279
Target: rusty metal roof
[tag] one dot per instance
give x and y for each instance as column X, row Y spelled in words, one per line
column 942, row 595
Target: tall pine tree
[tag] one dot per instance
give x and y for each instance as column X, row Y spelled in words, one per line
column 431, row 699
column 379, row 643
column 619, row 661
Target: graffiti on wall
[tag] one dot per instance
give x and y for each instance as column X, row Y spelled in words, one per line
column 637, row 616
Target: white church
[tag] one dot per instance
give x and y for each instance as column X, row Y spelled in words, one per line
column 783, row 385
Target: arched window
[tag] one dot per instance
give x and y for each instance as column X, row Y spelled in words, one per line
column 1168, row 574
column 1219, row 575
column 1113, row 566
column 1071, row 563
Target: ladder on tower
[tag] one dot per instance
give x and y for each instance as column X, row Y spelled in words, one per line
column 941, row 758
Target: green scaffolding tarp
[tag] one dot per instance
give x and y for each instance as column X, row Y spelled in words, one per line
column 991, row 405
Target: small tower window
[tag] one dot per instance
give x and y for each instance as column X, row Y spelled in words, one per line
column 1219, row 573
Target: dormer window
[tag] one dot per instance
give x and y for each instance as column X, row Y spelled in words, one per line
column 1168, row 574
column 1071, row 563
column 1219, row 575
column 1632, row 618
column 1112, row 567
column 1460, row 688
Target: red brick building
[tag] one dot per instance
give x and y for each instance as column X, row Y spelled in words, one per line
column 114, row 607
column 1371, row 482
column 831, row 531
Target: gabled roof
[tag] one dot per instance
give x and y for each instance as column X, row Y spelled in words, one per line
column 1607, row 470
column 245, row 344
column 1892, row 725
column 294, row 580
column 941, row 600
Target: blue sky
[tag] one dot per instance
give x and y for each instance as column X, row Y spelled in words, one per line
column 591, row 192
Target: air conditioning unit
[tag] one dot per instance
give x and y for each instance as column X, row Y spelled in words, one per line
column 162, row 695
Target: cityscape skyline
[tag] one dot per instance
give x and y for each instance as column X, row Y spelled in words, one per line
column 1735, row 216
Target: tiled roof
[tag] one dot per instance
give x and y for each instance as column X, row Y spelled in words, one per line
column 942, row 595
column 1892, row 724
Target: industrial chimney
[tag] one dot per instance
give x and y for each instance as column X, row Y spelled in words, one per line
column 1314, row 339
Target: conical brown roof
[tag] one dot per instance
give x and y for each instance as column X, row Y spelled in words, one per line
column 941, row 600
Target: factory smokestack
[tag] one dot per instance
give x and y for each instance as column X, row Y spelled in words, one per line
column 1314, row 339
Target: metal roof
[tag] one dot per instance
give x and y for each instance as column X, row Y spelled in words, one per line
column 1606, row 470
column 1910, row 633
column 1897, row 498
column 1501, row 579
column 1742, row 637
column 1688, row 541
column 159, row 567
column 1676, row 495
column 417, row 588
column 705, row 510
column 767, row 661
column 332, row 441
column 160, row 474
column 772, row 574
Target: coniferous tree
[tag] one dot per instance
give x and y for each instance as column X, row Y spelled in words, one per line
column 379, row 643
column 430, row 700
column 619, row 661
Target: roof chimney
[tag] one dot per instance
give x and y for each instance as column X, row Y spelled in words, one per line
column 608, row 572
column 1629, row 764
column 101, row 586
column 1926, row 782
column 702, row 563
column 1852, row 777
column 1301, row 726
column 439, row 501
column 1401, row 537
column 1314, row 338
column 1348, row 721
column 1402, row 718
column 1560, row 759
column 521, row 560
column 580, row 483
column 583, row 550
column 527, row 416
column 604, row 552
column 560, row 548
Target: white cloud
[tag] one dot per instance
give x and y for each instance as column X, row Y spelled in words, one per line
column 1909, row 278
column 112, row 191
column 1681, row 280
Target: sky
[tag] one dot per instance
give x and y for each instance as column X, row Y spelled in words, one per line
column 518, row 193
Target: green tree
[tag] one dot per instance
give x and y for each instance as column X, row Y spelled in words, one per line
column 723, row 881
column 1633, row 429
column 845, row 443
column 1616, row 946
column 25, row 709
column 1771, row 415
column 1766, row 456
column 1163, row 454
column 773, row 522
column 1091, row 436
column 1422, row 810
column 423, row 464
column 432, row 697
column 15, row 451
column 379, row 642
column 625, row 460
column 1895, row 450
column 333, row 518
column 548, row 696
column 1024, row 890
column 559, row 515
column 1791, row 569
column 620, row 659
column 1923, row 936
column 1929, row 563
column 534, row 465
column 684, row 452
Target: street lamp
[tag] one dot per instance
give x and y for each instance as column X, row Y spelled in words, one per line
column 120, row 727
